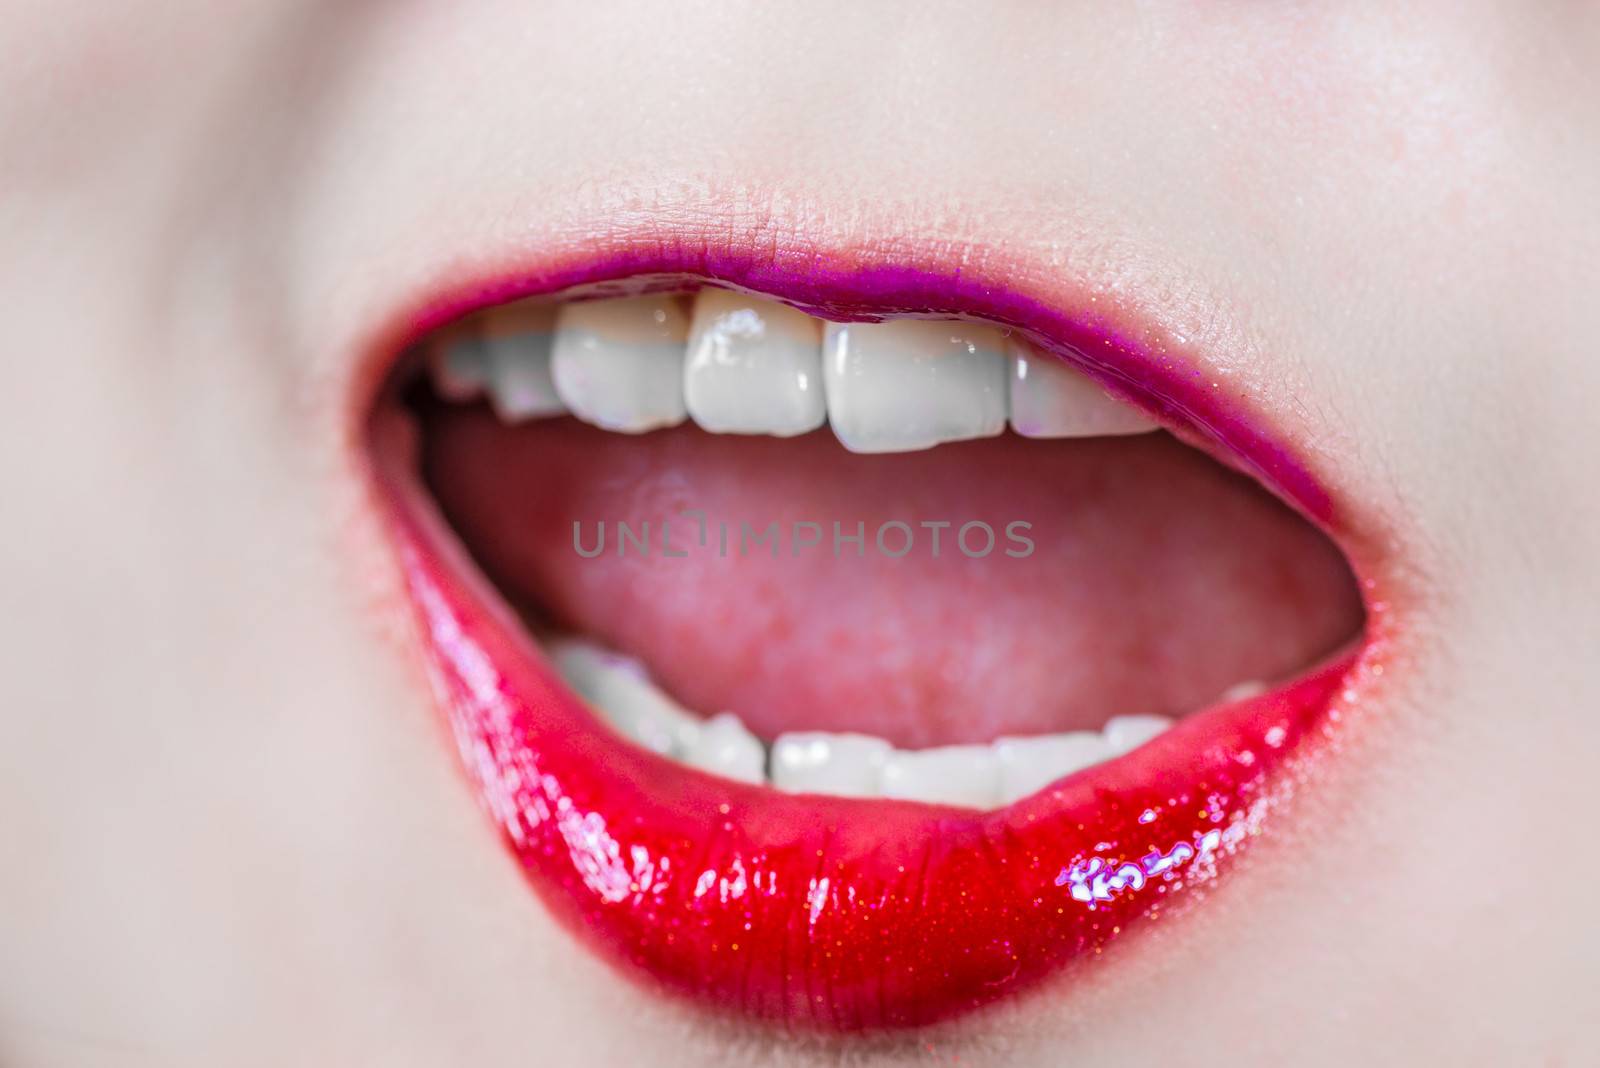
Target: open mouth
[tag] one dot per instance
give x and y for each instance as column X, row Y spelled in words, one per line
column 849, row 650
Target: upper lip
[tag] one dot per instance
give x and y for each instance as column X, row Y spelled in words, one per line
column 829, row 912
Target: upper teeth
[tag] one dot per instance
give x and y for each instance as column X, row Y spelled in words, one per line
column 845, row 765
column 913, row 383
column 517, row 359
column 619, row 364
column 753, row 367
column 745, row 365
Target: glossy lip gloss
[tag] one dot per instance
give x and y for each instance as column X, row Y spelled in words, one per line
column 832, row 913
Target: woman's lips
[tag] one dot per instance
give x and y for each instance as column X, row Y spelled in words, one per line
column 824, row 911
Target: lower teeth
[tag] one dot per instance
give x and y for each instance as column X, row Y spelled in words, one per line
column 620, row 691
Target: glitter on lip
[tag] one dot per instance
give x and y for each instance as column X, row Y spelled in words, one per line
column 831, row 913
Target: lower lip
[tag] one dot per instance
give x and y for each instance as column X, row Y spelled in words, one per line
column 837, row 914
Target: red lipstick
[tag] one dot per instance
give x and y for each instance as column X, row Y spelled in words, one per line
column 830, row 913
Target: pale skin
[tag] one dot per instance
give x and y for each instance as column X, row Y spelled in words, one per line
column 234, row 832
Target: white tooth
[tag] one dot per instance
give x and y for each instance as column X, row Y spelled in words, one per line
column 1126, row 733
column 516, row 342
column 1028, row 765
column 754, row 366
column 967, row 775
column 620, row 691
column 619, row 363
column 520, row 384
column 725, row 747
column 817, row 762
column 1242, row 691
column 1051, row 400
column 458, row 367
column 911, row 384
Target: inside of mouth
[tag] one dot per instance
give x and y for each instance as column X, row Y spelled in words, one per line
column 911, row 558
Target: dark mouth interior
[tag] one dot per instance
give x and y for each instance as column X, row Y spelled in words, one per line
column 1157, row 578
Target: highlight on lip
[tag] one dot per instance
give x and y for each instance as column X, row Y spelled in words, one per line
column 788, row 805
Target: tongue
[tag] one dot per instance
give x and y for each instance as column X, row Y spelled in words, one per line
column 1156, row 578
